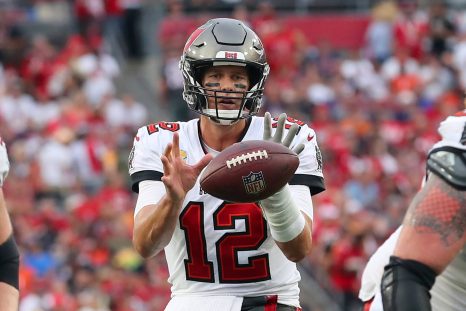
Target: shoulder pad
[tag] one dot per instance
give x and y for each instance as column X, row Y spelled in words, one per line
column 449, row 164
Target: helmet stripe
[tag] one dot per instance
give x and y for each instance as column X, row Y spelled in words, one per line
column 193, row 37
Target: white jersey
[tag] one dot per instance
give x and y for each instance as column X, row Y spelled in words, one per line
column 449, row 290
column 221, row 248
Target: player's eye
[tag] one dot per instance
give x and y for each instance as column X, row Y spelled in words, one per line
column 214, row 75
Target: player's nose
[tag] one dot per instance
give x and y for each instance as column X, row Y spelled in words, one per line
column 227, row 84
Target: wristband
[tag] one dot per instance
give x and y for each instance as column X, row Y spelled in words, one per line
column 285, row 219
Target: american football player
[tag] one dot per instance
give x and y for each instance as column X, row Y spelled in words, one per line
column 223, row 255
column 9, row 256
column 430, row 246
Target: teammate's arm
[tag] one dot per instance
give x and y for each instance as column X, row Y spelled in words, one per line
column 9, row 257
column 154, row 224
column 433, row 233
column 290, row 228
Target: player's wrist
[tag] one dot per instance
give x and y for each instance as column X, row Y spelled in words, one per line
column 285, row 219
column 174, row 200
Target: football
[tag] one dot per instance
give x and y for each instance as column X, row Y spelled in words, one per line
column 249, row 171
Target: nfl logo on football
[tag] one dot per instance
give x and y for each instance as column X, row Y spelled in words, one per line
column 254, row 182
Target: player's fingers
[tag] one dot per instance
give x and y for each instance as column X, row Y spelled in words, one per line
column 176, row 145
column 168, row 151
column 298, row 149
column 290, row 135
column 280, row 125
column 166, row 165
column 267, row 126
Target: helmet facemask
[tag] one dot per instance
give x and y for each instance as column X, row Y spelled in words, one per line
column 198, row 96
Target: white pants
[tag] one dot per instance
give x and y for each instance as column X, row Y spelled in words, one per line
column 204, row 303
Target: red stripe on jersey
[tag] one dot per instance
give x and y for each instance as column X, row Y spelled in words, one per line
column 367, row 304
column 271, row 303
column 460, row 114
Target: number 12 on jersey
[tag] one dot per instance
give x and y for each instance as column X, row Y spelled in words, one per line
column 199, row 268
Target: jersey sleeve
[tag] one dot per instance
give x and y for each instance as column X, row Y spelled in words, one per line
column 144, row 160
column 447, row 158
column 452, row 131
column 309, row 172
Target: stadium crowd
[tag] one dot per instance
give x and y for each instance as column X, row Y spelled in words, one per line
column 69, row 131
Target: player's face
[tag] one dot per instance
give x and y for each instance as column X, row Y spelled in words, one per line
column 226, row 84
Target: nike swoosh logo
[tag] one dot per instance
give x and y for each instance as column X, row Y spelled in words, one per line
column 309, row 137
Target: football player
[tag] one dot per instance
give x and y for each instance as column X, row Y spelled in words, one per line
column 9, row 256
column 223, row 255
column 430, row 246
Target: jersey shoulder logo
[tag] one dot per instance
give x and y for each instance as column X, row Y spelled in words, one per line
column 319, row 159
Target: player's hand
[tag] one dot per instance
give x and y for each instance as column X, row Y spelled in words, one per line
column 4, row 163
column 178, row 176
column 279, row 132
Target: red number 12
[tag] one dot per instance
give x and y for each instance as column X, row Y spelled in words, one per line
column 199, row 268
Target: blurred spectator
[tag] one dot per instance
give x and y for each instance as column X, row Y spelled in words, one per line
column 347, row 258
column 132, row 31
column 89, row 14
column 16, row 105
column 379, row 34
column 241, row 12
column 285, row 44
column 113, row 21
column 56, row 163
column 411, row 28
column 126, row 113
column 13, row 44
column 52, row 12
column 171, row 85
column 175, row 28
column 459, row 58
column 172, row 35
column 441, row 28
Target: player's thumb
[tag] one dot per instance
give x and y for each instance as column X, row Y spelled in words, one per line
column 203, row 162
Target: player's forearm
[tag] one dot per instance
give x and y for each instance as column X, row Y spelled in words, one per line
column 5, row 225
column 434, row 224
column 154, row 226
column 9, row 261
column 289, row 227
column 298, row 248
column 9, row 297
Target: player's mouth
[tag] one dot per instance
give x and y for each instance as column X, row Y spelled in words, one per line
column 225, row 103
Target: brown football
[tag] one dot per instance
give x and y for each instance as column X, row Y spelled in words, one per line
column 249, row 171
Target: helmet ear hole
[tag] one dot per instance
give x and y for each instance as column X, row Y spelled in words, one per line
column 199, row 72
column 254, row 75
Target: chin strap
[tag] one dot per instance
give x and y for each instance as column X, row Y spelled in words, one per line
column 223, row 114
